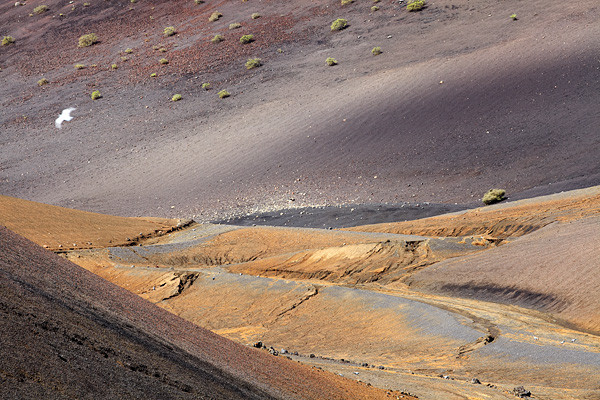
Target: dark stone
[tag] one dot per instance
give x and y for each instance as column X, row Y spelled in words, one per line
column 521, row 392
column 475, row 381
column 258, row 345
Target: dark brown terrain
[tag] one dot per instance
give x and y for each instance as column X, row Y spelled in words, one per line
column 516, row 109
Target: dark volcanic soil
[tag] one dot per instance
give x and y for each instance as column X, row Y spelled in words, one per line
column 462, row 99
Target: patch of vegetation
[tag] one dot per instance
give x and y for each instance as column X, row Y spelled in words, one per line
column 339, row 24
column 331, row 61
column 163, row 61
column 255, row 16
column 215, row 16
column 7, row 40
column 96, row 95
column 376, row 51
column 162, row 50
column 124, row 58
column 176, row 97
column 416, row 5
column 128, row 50
column 376, row 1
column 514, row 17
column 86, row 4
column 346, row 2
column 246, row 39
column 217, row 39
column 88, row 40
column 43, row 82
column 169, row 31
column 79, row 66
column 40, row 9
column 493, row 196
column 374, row 8
column 253, row 63
column 199, row 1
column 235, row 25
column 280, row 51
column 114, row 66
column 206, row 85
column 224, row 93
column 153, row 75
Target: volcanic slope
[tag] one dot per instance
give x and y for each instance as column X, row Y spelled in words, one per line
column 359, row 300
column 462, row 99
column 67, row 333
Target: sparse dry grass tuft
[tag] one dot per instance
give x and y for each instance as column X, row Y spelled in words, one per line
column 169, row 31
column 253, row 63
column 376, row 51
column 88, row 40
column 40, row 9
column 215, row 16
column 217, row 39
column 43, row 82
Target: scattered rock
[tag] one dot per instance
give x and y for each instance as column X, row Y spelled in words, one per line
column 521, row 392
column 381, row 367
column 258, row 345
column 475, row 381
column 312, row 355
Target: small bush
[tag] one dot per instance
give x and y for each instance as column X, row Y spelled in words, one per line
column 43, row 82
column 96, row 95
column 169, row 31
column 124, row 58
column 514, row 17
column 176, row 97
column 376, row 1
column 331, row 61
column 224, row 93
column 128, row 51
column 86, row 4
column 416, row 5
column 40, row 9
column 376, row 51
column 114, row 66
column 346, row 2
column 255, row 16
column 246, row 39
column 79, row 66
column 153, row 75
column 253, row 63
column 339, row 24
column 7, row 40
column 162, row 50
column 215, row 16
column 235, row 25
column 374, row 8
column 88, row 40
column 206, row 86
column 199, row 1
column 217, row 39
column 163, row 61
column 493, row 196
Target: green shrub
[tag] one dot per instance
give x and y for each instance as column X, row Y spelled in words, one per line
column 96, row 95
column 215, row 16
column 40, row 9
column 331, row 61
column 339, row 24
column 345, row 2
column 128, row 50
column 169, row 31
column 124, row 58
column 206, row 85
column 246, row 39
column 374, row 8
column 163, row 61
column 514, row 17
column 176, row 97
column 7, row 40
column 376, row 51
column 114, row 66
column 79, row 66
column 199, row 1
column 493, row 196
column 224, row 93
column 217, row 39
column 162, row 50
column 253, row 63
column 88, row 40
column 86, row 4
column 43, row 82
column 255, row 16
column 235, row 25
column 153, row 75
column 416, row 5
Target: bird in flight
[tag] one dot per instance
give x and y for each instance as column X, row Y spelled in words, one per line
column 64, row 116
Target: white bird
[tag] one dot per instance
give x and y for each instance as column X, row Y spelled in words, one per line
column 64, row 116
